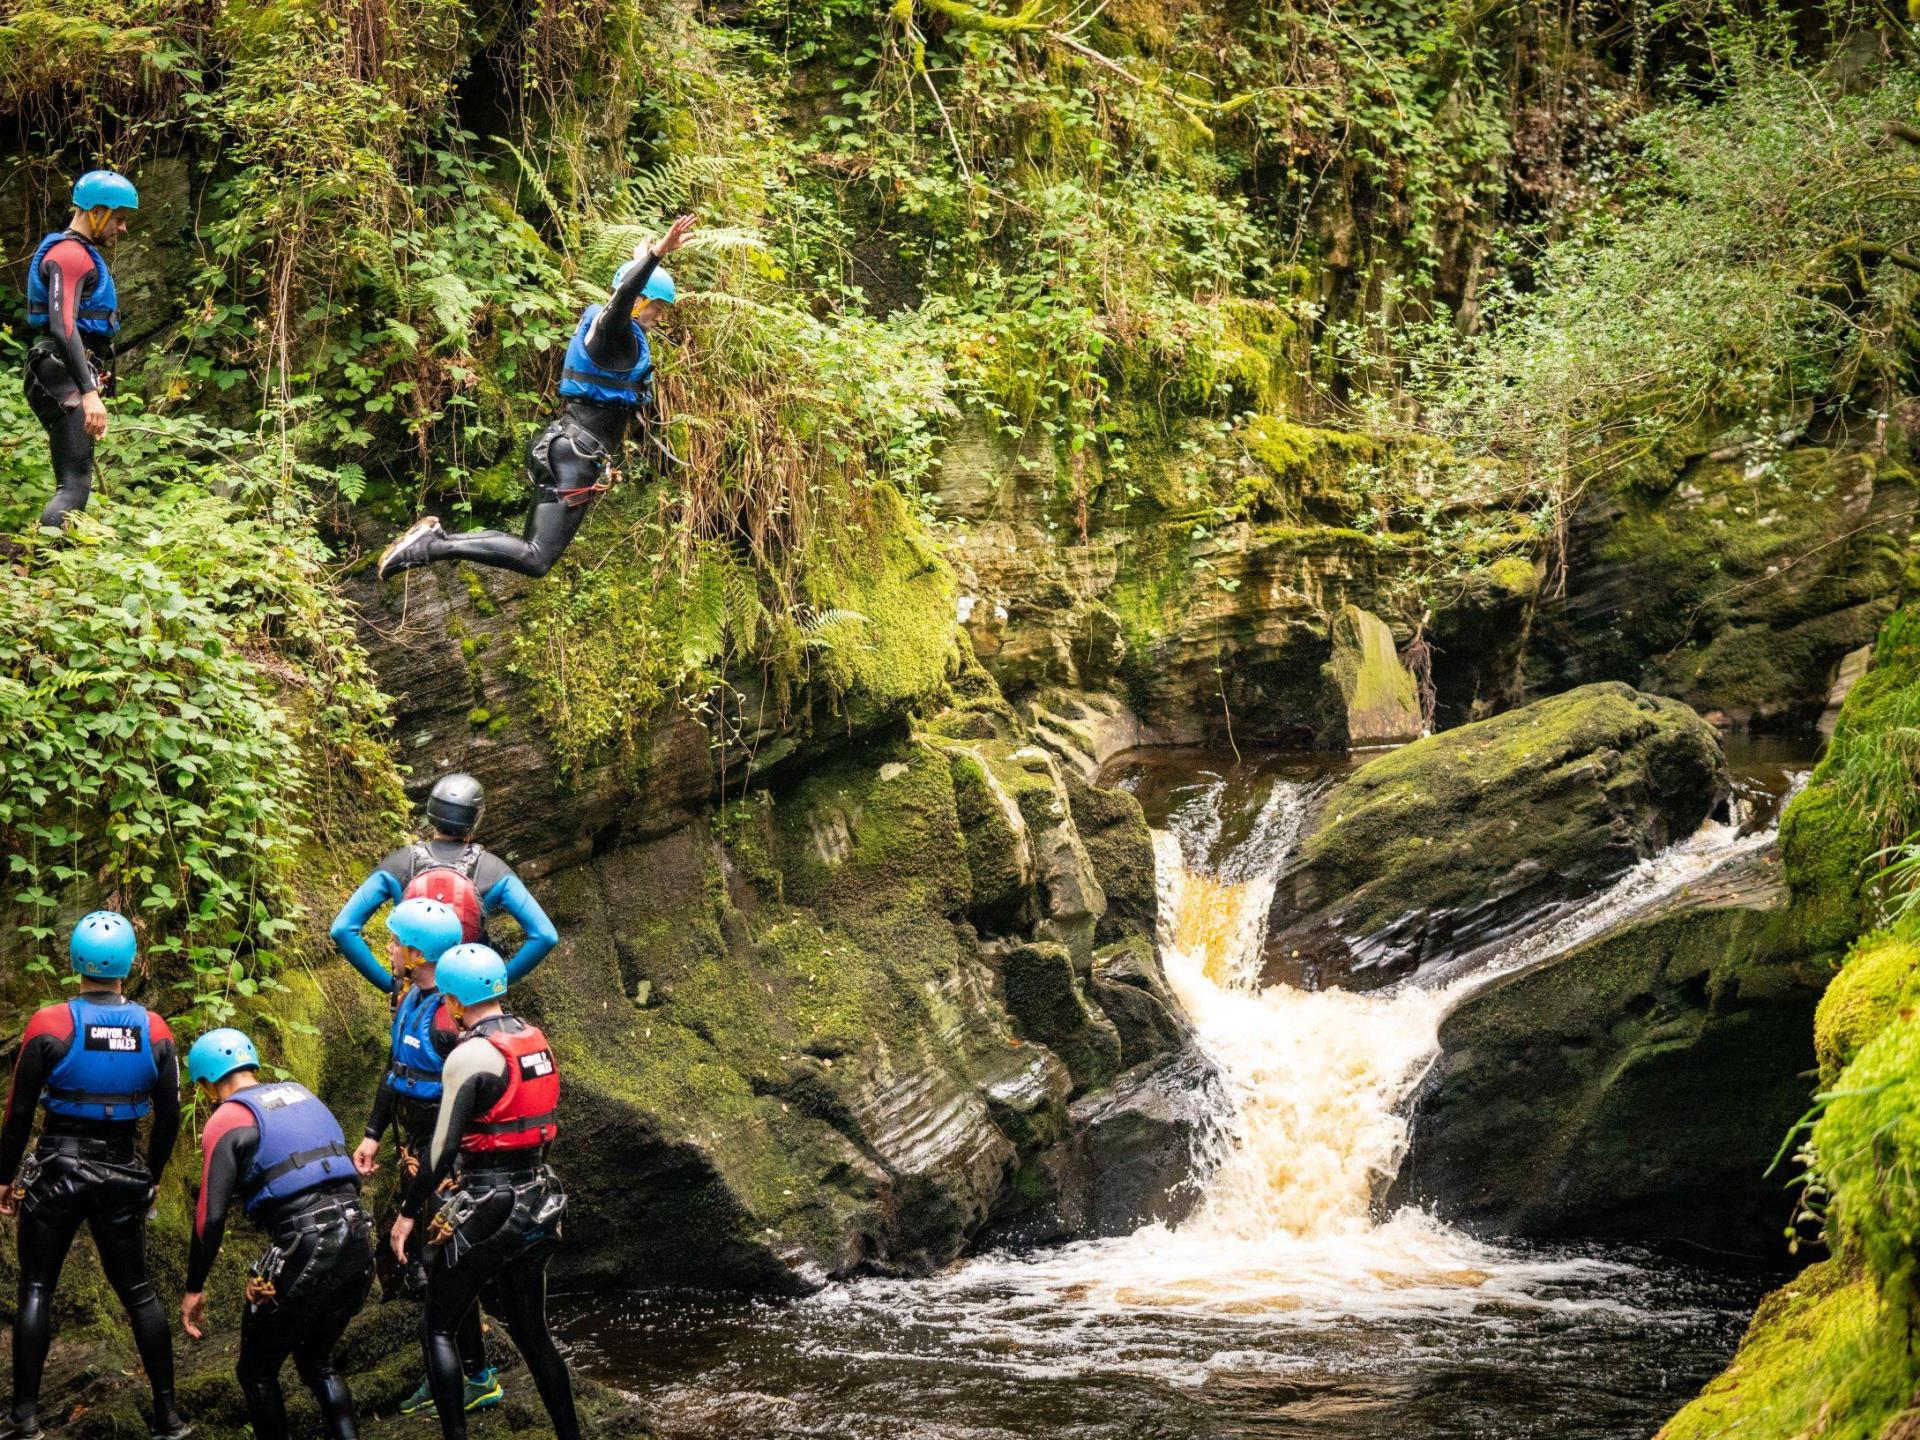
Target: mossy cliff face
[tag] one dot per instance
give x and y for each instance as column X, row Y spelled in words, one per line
column 1830, row 1354
column 836, row 1024
column 1637, row 1086
column 1737, row 588
column 1207, row 584
column 1443, row 844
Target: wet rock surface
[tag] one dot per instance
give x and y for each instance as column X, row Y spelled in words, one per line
column 833, row 1026
column 1739, row 587
column 1447, row 843
column 1637, row 1087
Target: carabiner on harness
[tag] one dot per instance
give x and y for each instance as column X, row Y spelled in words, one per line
column 262, row 1276
column 454, row 1212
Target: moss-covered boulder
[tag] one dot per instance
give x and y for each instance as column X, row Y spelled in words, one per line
column 1371, row 697
column 1638, row 1086
column 1824, row 1356
column 1880, row 980
column 1442, row 845
column 1739, row 587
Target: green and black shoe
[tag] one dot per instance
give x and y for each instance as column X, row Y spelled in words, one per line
column 483, row 1392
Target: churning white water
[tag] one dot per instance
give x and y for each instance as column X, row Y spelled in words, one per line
column 1284, row 1305
column 1315, row 1083
column 1309, row 1123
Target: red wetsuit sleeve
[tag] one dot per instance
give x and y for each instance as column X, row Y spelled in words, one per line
column 229, row 1143
column 165, row 1127
column 68, row 268
column 43, row 1045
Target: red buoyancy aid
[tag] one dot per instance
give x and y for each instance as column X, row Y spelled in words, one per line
column 524, row 1117
column 451, row 885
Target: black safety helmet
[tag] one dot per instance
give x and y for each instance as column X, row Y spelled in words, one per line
column 454, row 804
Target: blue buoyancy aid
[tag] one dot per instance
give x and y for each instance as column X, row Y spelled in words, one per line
column 108, row 1072
column 99, row 302
column 581, row 379
column 414, row 1072
column 301, row 1144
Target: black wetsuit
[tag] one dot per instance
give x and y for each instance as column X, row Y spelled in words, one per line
column 412, row 1124
column 60, row 369
column 321, row 1265
column 87, row 1171
column 565, row 461
column 510, row 1206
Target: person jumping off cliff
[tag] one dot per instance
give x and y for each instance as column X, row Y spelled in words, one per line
column 71, row 296
column 606, row 377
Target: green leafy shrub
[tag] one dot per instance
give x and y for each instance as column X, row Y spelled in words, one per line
column 1745, row 274
column 184, row 720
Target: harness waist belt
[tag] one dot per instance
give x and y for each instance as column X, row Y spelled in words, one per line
column 413, row 1072
column 321, row 1217
column 92, row 1097
column 299, row 1157
column 90, row 1147
column 491, row 1175
column 510, row 1127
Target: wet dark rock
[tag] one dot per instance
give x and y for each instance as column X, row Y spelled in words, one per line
column 787, row 1054
column 1445, row 845
column 1140, row 1138
column 1738, row 587
column 1638, row 1087
column 1048, row 1005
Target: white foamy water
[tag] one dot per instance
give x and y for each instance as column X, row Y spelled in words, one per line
column 1312, row 1118
column 1284, row 1306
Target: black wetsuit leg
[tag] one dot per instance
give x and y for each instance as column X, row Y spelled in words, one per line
column 45, row 1236
column 112, row 1197
column 48, row 393
column 511, row 1276
column 552, row 519
column 321, row 1289
column 416, row 1135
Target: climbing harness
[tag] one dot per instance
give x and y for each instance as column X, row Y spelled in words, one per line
column 588, row 447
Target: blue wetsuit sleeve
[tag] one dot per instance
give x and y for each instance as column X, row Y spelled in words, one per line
column 376, row 890
column 510, row 895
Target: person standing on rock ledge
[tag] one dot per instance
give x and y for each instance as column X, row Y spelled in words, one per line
column 71, row 297
column 278, row 1150
column 99, row 1064
column 454, row 869
column 606, row 379
column 494, row 1231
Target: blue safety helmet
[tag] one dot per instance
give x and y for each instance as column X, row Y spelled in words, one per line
column 105, row 187
column 218, row 1053
column 103, row 946
column 471, row 974
column 659, row 285
column 429, row 926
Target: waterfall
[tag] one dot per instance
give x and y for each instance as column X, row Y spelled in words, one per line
column 1315, row 1084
